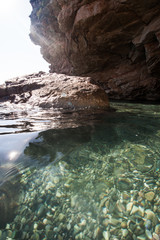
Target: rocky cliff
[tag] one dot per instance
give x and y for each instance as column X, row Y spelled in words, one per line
column 117, row 42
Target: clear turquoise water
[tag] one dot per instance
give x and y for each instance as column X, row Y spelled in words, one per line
column 77, row 182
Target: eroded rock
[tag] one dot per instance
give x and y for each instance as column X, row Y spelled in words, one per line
column 54, row 91
column 115, row 42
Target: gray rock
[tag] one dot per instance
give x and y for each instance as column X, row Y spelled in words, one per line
column 41, row 211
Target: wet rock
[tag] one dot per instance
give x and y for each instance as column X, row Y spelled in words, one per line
column 148, row 234
column 98, row 233
column 148, row 224
column 106, row 235
column 141, row 237
column 55, row 91
column 135, row 209
column 149, row 196
column 61, row 217
column 155, row 236
column 41, row 226
column 77, row 229
column 106, row 222
column 114, row 221
column 35, row 236
column 157, row 229
column 124, row 224
column 150, row 215
column 124, row 232
column 124, row 184
column 129, row 206
column 41, row 211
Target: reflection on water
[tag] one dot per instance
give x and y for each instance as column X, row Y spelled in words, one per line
column 13, row 145
column 94, row 181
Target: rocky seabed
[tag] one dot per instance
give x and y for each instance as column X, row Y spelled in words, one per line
column 92, row 193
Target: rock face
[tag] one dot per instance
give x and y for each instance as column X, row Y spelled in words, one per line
column 54, row 91
column 117, row 42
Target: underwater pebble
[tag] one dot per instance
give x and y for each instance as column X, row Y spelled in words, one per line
column 155, row 237
column 67, row 185
column 41, row 210
column 105, row 222
column 59, row 194
column 134, row 210
column 120, row 206
column 124, row 224
column 157, row 229
column 82, row 223
column 97, row 233
column 149, row 196
column 142, row 237
column 124, row 232
column 45, row 221
column 50, row 234
column 106, row 235
column 61, row 217
column 35, row 236
column 124, row 184
column 148, row 234
column 77, row 229
column 104, row 210
column 141, row 211
column 50, row 185
column 151, row 216
column 9, row 233
column 48, row 228
column 148, row 224
column 140, row 230
column 68, row 226
column 8, row 226
column 74, row 200
column 23, row 221
column 114, row 221
column 55, row 179
column 129, row 206
column 35, row 226
column 79, row 236
column 40, row 226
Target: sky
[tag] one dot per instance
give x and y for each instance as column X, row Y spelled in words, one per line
column 18, row 55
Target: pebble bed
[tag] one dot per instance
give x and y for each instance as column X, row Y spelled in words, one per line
column 106, row 197
column 94, row 192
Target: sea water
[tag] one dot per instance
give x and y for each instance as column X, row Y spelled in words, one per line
column 81, row 176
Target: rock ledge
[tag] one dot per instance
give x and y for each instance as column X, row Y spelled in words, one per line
column 51, row 90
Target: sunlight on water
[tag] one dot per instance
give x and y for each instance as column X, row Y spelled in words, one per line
column 95, row 181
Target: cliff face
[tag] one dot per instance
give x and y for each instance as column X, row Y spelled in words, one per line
column 117, row 42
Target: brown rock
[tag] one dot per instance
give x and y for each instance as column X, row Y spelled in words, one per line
column 115, row 42
column 55, row 91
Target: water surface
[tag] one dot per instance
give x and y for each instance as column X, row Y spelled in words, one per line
column 81, row 176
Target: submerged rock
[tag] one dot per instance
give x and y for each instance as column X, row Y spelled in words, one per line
column 8, row 193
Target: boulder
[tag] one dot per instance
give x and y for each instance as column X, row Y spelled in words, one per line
column 52, row 90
